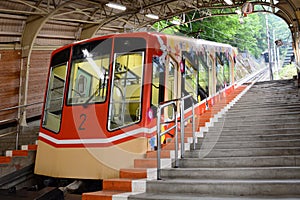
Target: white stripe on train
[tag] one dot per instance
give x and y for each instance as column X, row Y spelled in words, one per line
column 98, row 140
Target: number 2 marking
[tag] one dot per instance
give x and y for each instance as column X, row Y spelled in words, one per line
column 83, row 117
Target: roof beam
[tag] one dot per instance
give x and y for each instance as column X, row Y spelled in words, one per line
column 33, row 26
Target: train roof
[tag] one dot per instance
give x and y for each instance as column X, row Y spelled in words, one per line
column 202, row 44
column 198, row 42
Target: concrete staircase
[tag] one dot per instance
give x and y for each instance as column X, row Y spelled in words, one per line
column 16, row 166
column 252, row 152
column 133, row 180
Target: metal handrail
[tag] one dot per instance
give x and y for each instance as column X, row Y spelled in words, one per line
column 160, row 133
column 6, row 134
column 22, row 106
column 184, row 119
column 8, row 120
column 15, row 119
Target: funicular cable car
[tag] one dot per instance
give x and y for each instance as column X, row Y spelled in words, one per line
column 101, row 98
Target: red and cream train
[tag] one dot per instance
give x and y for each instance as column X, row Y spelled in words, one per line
column 102, row 95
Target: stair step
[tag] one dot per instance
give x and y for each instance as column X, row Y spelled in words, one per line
column 256, row 127
column 99, row 195
column 163, row 154
column 232, row 173
column 261, row 137
column 246, row 117
column 255, row 161
column 168, row 146
column 265, row 131
column 151, row 163
column 5, row 159
column 226, row 187
column 244, row 152
column 262, row 114
column 11, row 153
column 248, row 144
column 191, row 196
column 117, row 188
column 30, row 147
column 265, row 109
column 250, row 106
column 246, row 121
column 134, row 173
column 117, row 184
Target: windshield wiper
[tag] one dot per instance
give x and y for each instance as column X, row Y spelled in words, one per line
column 89, row 99
column 101, row 86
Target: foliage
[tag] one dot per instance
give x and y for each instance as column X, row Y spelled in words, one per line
column 247, row 35
column 287, row 72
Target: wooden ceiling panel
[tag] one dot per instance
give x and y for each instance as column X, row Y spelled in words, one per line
column 76, row 20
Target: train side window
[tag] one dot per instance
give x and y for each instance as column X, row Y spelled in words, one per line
column 203, row 87
column 190, row 79
column 222, row 70
column 172, row 84
column 126, row 98
column 171, row 81
column 54, row 101
column 226, row 68
column 158, row 85
column 156, row 70
column 219, row 72
column 55, row 91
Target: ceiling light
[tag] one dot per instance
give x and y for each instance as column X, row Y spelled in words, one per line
column 152, row 16
column 229, row 2
column 238, row 11
column 116, row 6
column 175, row 22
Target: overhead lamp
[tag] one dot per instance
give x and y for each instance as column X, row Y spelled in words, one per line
column 152, row 16
column 238, row 11
column 175, row 22
column 229, row 2
column 116, row 6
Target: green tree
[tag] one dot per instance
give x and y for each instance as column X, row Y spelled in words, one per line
column 246, row 33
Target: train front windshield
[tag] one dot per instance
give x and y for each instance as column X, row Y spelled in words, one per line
column 96, row 66
column 127, row 82
column 89, row 72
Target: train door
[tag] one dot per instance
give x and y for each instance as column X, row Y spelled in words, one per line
column 190, row 79
column 212, row 72
column 222, row 70
column 166, row 87
column 203, row 77
column 157, row 86
column 165, row 83
column 173, row 83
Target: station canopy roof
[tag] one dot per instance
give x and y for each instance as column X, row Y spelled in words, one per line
column 53, row 23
